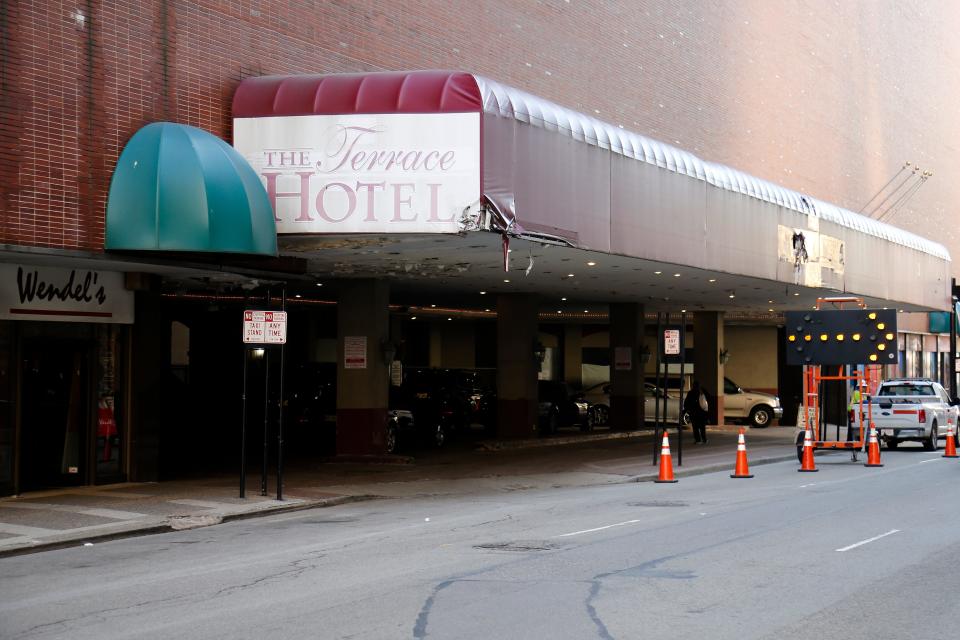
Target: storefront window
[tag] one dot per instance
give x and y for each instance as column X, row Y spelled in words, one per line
column 109, row 399
column 7, row 427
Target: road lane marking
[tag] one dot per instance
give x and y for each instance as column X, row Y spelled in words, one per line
column 930, row 460
column 804, row 486
column 869, row 540
column 609, row 526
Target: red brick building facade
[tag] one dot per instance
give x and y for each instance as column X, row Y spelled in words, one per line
column 828, row 99
column 825, row 98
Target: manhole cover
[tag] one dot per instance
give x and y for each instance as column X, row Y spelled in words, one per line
column 659, row 503
column 519, row 545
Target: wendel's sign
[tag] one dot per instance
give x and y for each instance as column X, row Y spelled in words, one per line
column 55, row 294
column 381, row 173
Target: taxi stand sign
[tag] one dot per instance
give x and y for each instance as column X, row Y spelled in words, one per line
column 841, row 336
column 265, row 327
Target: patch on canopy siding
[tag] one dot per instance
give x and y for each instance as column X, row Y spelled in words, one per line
column 809, row 252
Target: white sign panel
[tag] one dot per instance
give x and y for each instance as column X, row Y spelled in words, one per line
column 671, row 342
column 355, row 352
column 378, row 173
column 70, row 295
column 265, row 327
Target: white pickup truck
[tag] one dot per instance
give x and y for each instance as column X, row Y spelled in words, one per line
column 915, row 409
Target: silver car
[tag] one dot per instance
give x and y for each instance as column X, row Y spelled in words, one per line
column 598, row 397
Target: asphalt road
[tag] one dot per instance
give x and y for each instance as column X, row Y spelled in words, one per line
column 847, row 552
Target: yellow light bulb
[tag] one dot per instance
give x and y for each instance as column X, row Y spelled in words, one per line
column 792, row 338
column 856, row 337
column 807, row 337
column 881, row 326
column 872, row 316
column 889, row 336
column 873, row 357
column 824, row 337
column 840, row 337
column 881, row 346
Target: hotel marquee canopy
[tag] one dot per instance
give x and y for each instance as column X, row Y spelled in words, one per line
column 428, row 152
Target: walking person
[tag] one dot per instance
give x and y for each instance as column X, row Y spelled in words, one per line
column 696, row 405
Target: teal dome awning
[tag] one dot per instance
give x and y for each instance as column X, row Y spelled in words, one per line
column 179, row 188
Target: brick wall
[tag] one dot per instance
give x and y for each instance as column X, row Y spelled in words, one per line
column 826, row 98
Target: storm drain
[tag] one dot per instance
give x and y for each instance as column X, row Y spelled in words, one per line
column 659, row 503
column 519, row 545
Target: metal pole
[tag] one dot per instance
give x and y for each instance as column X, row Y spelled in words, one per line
column 656, row 406
column 283, row 306
column 952, row 360
column 266, row 419
column 683, row 360
column 243, row 431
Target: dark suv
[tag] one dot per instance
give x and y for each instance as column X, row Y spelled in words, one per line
column 560, row 407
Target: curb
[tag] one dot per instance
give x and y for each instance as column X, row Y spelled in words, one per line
column 507, row 445
column 169, row 527
column 712, row 468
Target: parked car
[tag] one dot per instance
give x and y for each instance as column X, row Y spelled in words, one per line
column 426, row 409
column 598, row 398
column 754, row 407
column 560, row 407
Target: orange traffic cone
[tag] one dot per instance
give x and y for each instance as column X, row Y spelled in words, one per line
column 950, row 450
column 742, row 470
column 806, row 463
column 873, row 449
column 666, row 464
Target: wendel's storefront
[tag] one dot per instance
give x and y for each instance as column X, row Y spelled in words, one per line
column 64, row 336
column 78, row 371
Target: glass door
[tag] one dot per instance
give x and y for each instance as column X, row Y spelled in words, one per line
column 54, row 413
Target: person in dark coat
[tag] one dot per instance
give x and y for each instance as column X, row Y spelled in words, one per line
column 694, row 409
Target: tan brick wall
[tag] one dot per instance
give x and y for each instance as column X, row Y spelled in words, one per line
column 826, row 98
column 753, row 357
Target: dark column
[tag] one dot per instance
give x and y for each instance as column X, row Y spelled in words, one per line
column 362, row 381
column 517, row 368
column 626, row 373
column 573, row 354
column 707, row 344
column 154, row 395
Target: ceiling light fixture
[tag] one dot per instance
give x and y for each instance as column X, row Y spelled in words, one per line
column 676, row 275
column 591, row 264
column 569, row 275
column 483, row 293
column 563, row 299
column 656, row 273
column 712, row 280
column 507, row 280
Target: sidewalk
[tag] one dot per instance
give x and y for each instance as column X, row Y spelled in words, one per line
column 67, row 517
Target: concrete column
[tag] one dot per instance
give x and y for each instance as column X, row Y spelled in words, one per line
column 362, row 315
column 573, row 355
column 707, row 344
column 517, row 316
column 626, row 380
